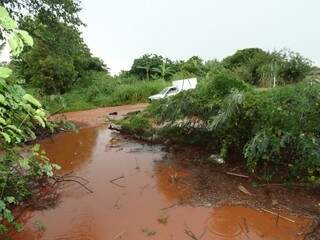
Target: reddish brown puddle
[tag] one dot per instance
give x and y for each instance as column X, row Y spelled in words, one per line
column 142, row 203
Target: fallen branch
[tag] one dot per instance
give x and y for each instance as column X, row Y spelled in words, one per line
column 73, row 176
column 166, row 208
column 115, row 179
column 62, row 179
column 237, row 175
column 112, row 181
column 192, row 235
column 278, row 215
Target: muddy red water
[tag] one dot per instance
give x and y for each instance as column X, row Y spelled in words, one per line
column 142, row 203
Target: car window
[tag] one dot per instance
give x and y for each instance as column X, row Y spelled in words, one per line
column 172, row 90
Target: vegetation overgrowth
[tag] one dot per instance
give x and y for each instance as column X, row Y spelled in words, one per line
column 20, row 115
column 274, row 132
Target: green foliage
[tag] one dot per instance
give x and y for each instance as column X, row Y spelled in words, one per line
column 138, row 125
column 272, row 130
column 96, row 89
column 223, row 82
column 265, row 69
column 20, row 115
column 152, row 65
column 58, row 59
column 48, row 10
column 194, row 66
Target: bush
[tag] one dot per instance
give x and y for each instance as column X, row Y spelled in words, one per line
column 273, row 131
column 222, row 83
column 55, row 75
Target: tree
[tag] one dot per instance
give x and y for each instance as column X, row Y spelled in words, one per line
column 193, row 66
column 46, row 10
column 147, row 69
column 250, row 59
column 143, row 66
column 164, row 70
column 58, row 59
column 294, row 67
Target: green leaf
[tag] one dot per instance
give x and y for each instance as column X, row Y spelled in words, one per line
column 24, row 163
column 36, row 148
column 7, row 138
column 16, row 44
column 2, row 205
column 32, row 100
column 2, row 121
column 8, row 215
column 40, row 113
column 6, row 21
column 10, row 199
column 5, row 72
column 2, row 99
column 27, row 39
column 14, row 128
column 40, row 120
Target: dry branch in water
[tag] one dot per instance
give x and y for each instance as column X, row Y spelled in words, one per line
column 278, row 215
column 112, row 181
column 67, row 178
column 237, row 175
column 188, row 232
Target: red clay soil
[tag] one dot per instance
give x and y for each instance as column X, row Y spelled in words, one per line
column 96, row 117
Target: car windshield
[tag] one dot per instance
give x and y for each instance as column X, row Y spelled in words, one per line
column 164, row 90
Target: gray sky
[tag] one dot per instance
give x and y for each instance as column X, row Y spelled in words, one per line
column 120, row 30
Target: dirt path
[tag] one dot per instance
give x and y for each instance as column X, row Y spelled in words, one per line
column 96, row 117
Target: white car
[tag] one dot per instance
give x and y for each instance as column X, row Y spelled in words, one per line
column 167, row 92
column 177, row 87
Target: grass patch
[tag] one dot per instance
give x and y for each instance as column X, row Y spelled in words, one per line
column 97, row 89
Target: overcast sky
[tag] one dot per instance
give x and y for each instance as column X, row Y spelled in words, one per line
column 120, row 30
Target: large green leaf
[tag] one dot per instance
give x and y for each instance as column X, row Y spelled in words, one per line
column 5, row 72
column 2, row 205
column 32, row 100
column 25, row 36
column 6, row 21
column 6, row 136
column 16, row 44
column 40, row 113
column 3, row 121
column 24, row 163
column 40, row 120
column 2, row 99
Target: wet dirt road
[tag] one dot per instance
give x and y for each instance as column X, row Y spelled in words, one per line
column 143, row 200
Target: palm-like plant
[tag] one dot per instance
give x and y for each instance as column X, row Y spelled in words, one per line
column 271, row 71
column 163, row 70
column 147, row 69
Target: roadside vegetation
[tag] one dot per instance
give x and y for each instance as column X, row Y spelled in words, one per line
column 20, row 115
column 266, row 120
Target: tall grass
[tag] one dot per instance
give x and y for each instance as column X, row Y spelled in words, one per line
column 96, row 89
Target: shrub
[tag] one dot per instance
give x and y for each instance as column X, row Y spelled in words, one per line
column 222, row 83
column 273, row 131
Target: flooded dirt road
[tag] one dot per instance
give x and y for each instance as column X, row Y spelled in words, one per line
column 137, row 194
